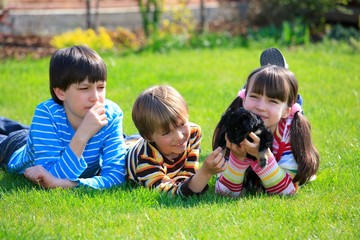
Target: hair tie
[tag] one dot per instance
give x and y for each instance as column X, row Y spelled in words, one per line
column 295, row 108
column 241, row 93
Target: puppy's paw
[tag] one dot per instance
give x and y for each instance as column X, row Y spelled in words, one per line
column 263, row 159
column 262, row 162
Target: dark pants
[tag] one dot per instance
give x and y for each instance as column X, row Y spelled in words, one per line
column 13, row 135
column 8, row 126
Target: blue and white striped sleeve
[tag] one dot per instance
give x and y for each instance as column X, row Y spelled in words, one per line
column 113, row 158
column 50, row 141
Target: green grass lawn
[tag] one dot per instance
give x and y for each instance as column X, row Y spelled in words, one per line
column 328, row 208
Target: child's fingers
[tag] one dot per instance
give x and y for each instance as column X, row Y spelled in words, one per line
column 214, row 159
column 217, row 150
column 222, row 165
column 217, row 155
column 32, row 175
column 98, row 114
column 254, row 137
column 254, row 144
column 219, row 160
column 101, row 110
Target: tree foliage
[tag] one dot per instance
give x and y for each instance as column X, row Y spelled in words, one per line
column 151, row 14
column 311, row 13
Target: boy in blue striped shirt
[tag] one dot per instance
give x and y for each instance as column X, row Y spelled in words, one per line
column 76, row 137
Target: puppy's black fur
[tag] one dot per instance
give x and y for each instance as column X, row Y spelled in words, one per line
column 239, row 123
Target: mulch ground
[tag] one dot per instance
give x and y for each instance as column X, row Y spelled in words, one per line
column 19, row 47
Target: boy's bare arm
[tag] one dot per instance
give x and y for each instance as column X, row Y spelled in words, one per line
column 213, row 164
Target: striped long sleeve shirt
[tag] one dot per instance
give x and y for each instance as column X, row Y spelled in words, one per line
column 102, row 164
column 148, row 167
column 276, row 176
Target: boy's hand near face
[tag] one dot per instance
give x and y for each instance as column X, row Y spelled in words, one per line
column 93, row 121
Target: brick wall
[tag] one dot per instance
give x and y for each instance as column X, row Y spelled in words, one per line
column 76, row 4
column 48, row 17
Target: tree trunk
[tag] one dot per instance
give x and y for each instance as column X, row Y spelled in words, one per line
column 88, row 14
column 202, row 16
column 97, row 19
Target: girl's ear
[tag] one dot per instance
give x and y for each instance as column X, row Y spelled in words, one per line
column 59, row 93
column 286, row 112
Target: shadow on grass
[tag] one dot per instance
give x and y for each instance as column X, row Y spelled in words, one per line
column 127, row 194
column 10, row 182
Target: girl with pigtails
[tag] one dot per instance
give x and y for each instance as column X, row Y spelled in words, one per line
column 271, row 93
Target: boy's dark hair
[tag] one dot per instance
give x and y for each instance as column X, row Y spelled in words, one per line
column 74, row 65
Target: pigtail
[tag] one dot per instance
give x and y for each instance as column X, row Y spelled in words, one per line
column 219, row 133
column 305, row 153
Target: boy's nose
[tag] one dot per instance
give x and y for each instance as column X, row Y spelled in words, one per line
column 94, row 96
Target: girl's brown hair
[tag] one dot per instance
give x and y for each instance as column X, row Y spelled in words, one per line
column 280, row 83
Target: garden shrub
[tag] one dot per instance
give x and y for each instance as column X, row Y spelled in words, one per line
column 181, row 21
column 289, row 33
column 175, row 31
column 310, row 13
column 124, row 39
column 339, row 32
column 350, row 35
column 98, row 41
column 104, row 40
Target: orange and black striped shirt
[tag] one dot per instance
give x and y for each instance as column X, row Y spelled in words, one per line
column 148, row 167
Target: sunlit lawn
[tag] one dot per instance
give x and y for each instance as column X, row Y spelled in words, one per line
column 328, row 208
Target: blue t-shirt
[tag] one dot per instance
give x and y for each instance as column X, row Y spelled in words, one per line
column 102, row 164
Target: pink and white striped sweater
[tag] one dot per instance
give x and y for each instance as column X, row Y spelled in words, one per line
column 276, row 176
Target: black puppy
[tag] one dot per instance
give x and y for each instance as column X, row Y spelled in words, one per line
column 239, row 123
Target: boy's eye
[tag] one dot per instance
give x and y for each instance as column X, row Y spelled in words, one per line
column 182, row 124
column 165, row 133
